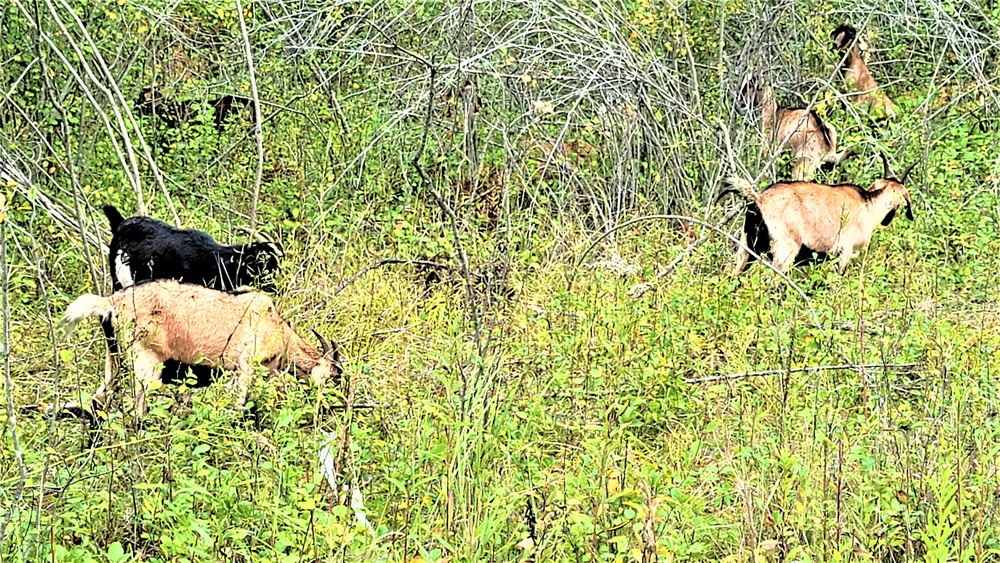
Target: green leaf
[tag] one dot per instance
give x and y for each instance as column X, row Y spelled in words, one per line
column 116, row 553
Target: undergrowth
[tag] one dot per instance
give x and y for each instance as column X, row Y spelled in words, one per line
column 513, row 389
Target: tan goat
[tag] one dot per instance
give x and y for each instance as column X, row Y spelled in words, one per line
column 811, row 140
column 804, row 217
column 166, row 320
column 863, row 90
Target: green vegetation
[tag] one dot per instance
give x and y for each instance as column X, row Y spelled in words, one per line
column 532, row 396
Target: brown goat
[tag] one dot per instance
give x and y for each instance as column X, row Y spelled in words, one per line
column 811, row 140
column 166, row 320
column 799, row 217
column 864, row 91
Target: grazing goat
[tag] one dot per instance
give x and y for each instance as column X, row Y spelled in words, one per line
column 166, row 320
column 143, row 248
column 864, row 91
column 174, row 112
column 794, row 219
column 811, row 140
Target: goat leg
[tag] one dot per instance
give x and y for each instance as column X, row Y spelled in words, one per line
column 804, row 169
column 244, row 379
column 784, row 254
column 100, row 397
column 146, row 366
column 742, row 257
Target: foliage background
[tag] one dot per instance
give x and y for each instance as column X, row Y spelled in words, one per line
column 526, row 398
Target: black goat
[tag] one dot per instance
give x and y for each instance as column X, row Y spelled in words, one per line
column 227, row 106
column 172, row 112
column 144, row 249
column 175, row 112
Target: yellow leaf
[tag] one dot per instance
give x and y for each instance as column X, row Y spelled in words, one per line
column 768, row 545
column 526, row 78
column 543, row 107
column 307, row 504
column 527, row 543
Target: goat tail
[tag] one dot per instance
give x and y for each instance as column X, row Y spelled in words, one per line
column 114, row 217
column 744, row 186
column 87, row 305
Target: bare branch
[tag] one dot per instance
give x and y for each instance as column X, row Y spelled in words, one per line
column 852, row 367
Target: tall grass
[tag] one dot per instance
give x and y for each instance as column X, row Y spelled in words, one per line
column 512, row 392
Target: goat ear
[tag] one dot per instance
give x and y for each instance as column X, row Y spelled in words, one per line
column 334, row 357
column 888, row 217
column 838, row 39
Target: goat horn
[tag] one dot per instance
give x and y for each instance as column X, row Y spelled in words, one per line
column 257, row 235
column 324, row 343
column 907, row 172
column 886, row 172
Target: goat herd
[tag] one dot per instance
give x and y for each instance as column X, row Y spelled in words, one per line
column 793, row 221
column 182, row 301
column 213, row 320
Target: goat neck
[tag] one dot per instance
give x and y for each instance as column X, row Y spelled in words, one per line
column 320, row 364
column 768, row 109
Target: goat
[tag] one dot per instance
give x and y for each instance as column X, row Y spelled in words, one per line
column 794, row 219
column 224, row 108
column 166, row 320
column 864, row 91
column 811, row 140
column 174, row 112
column 143, row 248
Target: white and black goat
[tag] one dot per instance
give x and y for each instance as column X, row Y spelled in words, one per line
column 812, row 141
column 863, row 90
column 143, row 248
column 793, row 220
column 163, row 321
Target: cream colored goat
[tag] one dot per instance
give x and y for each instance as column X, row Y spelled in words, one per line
column 863, row 90
column 805, row 216
column 166, row 320
column 811, row 140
